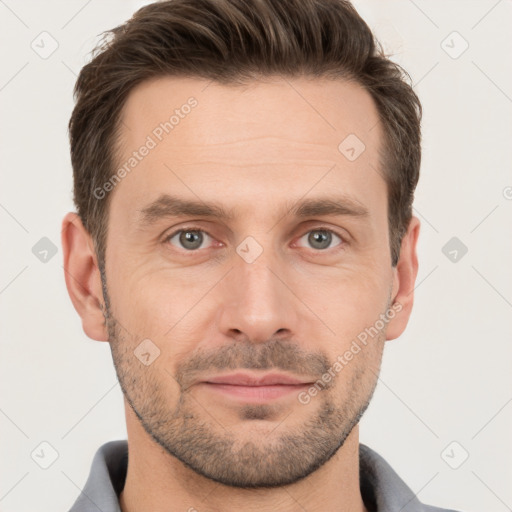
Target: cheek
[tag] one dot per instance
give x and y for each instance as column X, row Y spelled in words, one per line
column 347, row 301
column 179, row 304
column 165, row 306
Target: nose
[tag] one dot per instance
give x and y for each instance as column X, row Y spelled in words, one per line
column 259, row 302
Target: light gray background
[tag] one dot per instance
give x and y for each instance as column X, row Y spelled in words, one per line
column 446, row 379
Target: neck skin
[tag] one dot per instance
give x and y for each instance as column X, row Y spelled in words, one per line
column 158, row 482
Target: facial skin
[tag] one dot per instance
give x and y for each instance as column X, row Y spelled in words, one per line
column 258, row 150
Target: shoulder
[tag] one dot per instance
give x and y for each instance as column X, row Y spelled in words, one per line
column 383, row 489
column 430, row 508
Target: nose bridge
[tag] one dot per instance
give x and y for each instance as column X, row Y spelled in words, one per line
column 260, row 291
column 260, row 305
column 259, row 286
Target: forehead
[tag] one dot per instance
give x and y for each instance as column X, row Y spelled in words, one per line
column 309, row 110
column 254, row 145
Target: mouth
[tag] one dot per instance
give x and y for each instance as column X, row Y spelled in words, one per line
column 253, row 388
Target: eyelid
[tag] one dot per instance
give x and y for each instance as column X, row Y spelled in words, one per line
column 344, row 238
column 186, row 228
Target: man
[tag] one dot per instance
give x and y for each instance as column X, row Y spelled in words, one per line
column 244, row 175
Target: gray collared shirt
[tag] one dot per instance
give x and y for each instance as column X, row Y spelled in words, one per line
column 381, row 488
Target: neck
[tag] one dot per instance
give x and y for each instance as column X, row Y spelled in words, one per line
column 159, row 482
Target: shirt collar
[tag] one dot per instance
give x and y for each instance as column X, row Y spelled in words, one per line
column 381, row 487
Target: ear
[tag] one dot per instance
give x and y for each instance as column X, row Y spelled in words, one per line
column 404, row 279
column 82, row 276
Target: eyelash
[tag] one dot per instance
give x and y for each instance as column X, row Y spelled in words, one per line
column 196, row 229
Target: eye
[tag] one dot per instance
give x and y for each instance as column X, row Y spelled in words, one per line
column 321, row 238
column 189, row 239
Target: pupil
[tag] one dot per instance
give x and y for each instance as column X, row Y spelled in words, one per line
column 317, row 236
column 190, row 237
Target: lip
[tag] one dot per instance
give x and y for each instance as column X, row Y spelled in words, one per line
column 254, row 389
column 245, row 379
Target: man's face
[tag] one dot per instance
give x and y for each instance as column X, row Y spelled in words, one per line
column 266, row 290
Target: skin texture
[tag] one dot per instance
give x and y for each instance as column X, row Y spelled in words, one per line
column 295, row 309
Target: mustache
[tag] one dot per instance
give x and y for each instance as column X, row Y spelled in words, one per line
column 273, row 355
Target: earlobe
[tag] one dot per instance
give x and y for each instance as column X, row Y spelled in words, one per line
column 404, row 281
column 82, row 276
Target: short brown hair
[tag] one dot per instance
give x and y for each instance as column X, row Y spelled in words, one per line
column 232, row 42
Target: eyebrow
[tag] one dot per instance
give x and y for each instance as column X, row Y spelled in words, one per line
column 172, row 206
